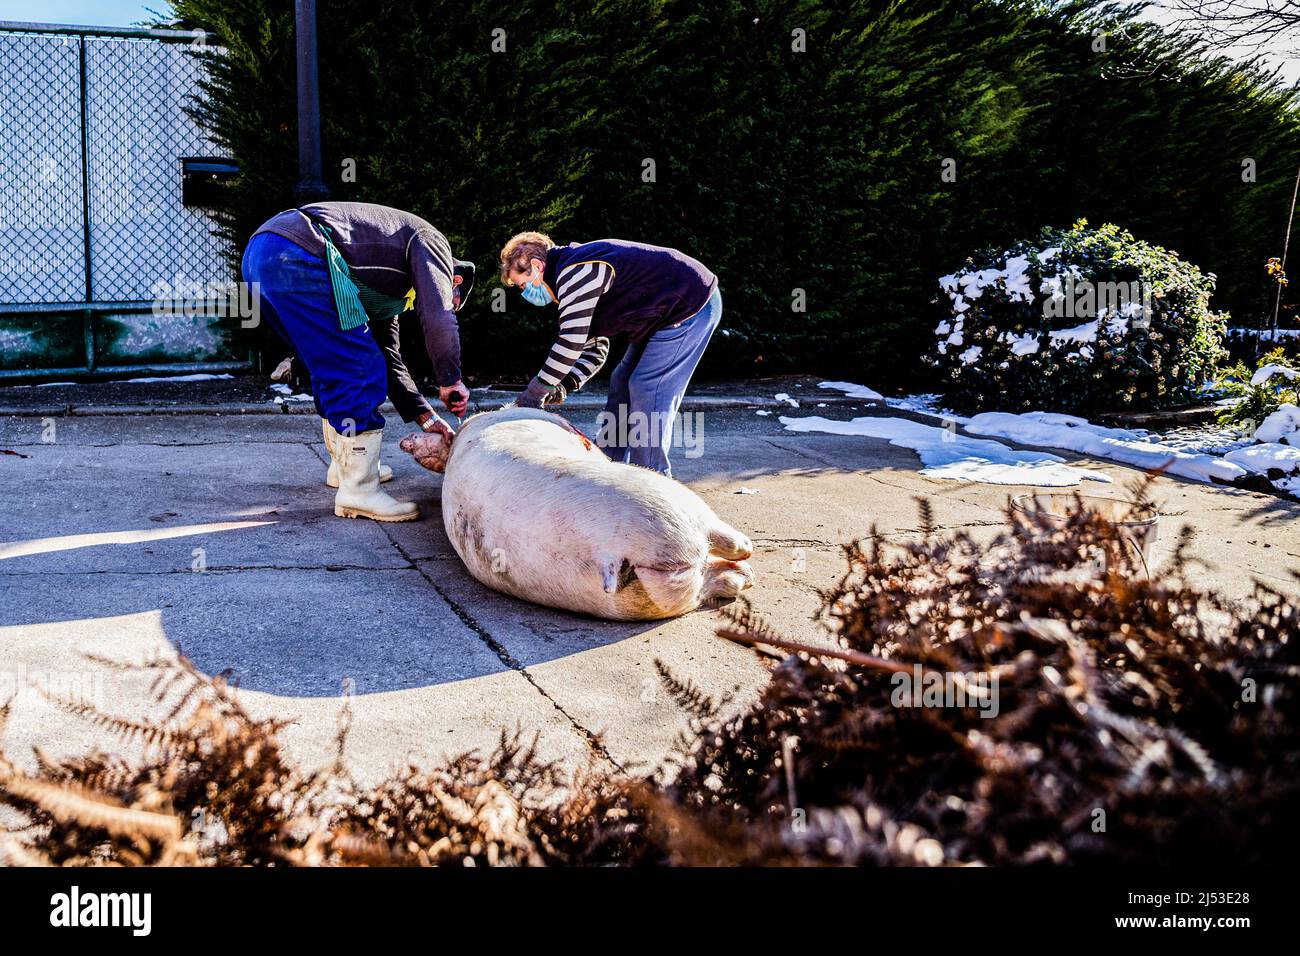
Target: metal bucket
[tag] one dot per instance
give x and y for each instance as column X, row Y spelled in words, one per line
column 1138, row 527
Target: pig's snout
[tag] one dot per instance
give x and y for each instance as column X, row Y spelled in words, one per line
column 430, row 450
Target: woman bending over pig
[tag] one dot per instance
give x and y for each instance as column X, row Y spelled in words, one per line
column 668, row 305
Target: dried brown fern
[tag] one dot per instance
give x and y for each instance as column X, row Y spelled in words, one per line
column 1170, row 713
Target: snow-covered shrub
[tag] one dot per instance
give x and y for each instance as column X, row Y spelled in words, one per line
column 1077, row 320
column 1259, row 393
column 1265, row 410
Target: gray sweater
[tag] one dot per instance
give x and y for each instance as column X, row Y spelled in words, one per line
column 392, row 252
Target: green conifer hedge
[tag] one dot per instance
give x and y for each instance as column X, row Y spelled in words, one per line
column 827, row 160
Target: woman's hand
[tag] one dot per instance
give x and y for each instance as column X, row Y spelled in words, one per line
column 534, row 395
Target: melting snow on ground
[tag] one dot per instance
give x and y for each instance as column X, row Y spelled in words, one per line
column 945, row 454
column 287, row 395
column 1282, row 426
column 853, row 391
column 1113, row 444
column 198, row 377
column 1218, row 455
column 927, row 404
column 1266, row 455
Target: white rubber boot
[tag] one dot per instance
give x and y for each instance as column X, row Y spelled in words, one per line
column 332, row 476
column 359, row 495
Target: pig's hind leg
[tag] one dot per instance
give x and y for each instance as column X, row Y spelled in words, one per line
column 726, row 542
column 724, row 580
column 673, row 591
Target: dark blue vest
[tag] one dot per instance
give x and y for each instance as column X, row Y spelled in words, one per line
column 653, row 288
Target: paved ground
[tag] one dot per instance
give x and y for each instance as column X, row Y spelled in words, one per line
column 126, row 535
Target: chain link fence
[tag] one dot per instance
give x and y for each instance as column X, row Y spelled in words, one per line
column 42, row 214
column 92, row 223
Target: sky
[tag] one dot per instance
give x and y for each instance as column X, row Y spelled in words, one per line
column 99, row 13
column 1274, row 55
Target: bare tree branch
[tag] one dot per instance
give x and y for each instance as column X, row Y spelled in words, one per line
column 1257, row 26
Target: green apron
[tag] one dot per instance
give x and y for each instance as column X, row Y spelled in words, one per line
column 355, row 301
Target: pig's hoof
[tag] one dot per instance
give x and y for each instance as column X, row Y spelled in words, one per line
column 724, row 581
column 726, row 542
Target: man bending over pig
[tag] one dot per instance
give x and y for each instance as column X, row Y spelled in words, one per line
column 667, row 303
column 333, row 278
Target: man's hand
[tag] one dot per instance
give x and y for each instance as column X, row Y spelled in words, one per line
column 455, row 397
column 556, row 396
column 430, row 422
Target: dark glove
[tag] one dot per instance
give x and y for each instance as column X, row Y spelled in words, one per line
column 534, row 395
column 570, row 384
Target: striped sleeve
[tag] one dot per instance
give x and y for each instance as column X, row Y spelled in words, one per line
column 579, row 288
column 589, row 363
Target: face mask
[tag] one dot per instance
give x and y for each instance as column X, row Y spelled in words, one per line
column 535, row 293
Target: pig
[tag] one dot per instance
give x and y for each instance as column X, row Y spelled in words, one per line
column 535, row 510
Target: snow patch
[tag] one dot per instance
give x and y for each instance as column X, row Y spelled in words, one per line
column 925, row 404
column 1113, row 444
column 1263, row 457
column 1265, row 372
column 1281, row 426
column 853, row 391
column 1290, row 485
column 945, row 454
column 199, row 377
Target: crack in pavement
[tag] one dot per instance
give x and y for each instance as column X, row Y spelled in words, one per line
column 794, row 542
column 947, row 527
column 804, row 454
column 222, row 569
column 158, row 444
column 506, row 658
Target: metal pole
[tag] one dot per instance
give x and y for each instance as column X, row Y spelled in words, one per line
column 310, row 188
column 86, row 244
column 88, row 318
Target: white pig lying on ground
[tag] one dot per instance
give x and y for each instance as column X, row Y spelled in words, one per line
column 537, row 511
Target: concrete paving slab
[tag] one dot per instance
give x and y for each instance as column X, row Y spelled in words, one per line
column 602, row 673
column 421, row 684
column 294, row 600
column 160, row 508
column 21, row 431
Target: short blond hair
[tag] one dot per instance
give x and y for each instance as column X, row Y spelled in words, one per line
column 522, row 247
